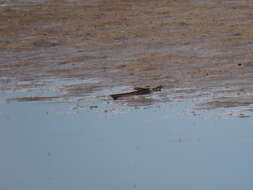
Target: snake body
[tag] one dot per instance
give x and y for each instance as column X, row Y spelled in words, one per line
column 138, row 91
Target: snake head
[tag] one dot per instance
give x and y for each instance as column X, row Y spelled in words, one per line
column 158, row 88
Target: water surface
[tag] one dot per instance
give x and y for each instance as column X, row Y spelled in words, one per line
column 60, row 61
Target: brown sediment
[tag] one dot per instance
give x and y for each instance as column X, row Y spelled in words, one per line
column 78, row 89
column 194, row 49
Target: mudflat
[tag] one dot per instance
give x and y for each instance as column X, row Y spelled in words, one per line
column 195, row 49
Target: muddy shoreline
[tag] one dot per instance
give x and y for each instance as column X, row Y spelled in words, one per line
column 196, row 50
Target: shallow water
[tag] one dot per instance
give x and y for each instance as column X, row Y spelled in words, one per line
column 60, row 61
column 46, row 146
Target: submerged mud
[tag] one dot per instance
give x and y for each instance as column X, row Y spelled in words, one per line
column 73, row 49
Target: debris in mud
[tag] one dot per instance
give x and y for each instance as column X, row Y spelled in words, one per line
column 138, row 91
column 93, row 107
column 30, row 99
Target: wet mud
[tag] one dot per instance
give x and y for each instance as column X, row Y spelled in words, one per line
column 73, row 49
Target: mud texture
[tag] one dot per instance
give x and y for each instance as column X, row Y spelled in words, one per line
column 197, row 50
